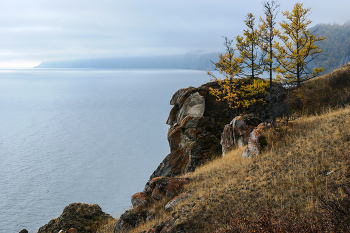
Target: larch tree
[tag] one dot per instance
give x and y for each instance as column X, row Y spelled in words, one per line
column 239, row 93
column 248, row 47
column 229, row 66
column 299, row 47
column 267, row 33
column 252, row 89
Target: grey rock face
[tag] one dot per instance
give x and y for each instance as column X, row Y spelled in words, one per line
column 82, row 217
column 128, row 220
column 235, row 135
column 195, row 123
column 227, row 141
column 176, row 200
column 256, row 142
column 193, row 106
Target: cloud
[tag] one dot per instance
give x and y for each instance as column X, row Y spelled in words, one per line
column 41, row 30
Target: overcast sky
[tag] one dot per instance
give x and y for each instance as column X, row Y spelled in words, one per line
column 42, row 30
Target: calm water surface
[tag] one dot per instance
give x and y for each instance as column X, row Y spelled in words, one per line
column 80, row 135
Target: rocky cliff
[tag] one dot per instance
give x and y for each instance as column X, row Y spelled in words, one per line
column 198, row 124
column 195, row 125
column 200, row 129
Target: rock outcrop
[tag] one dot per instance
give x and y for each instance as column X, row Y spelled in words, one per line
column 240, row 133
column 140, row 198
column 130, row 219
column 236, row 134
column 195, row 124
column 176, row 200
column 256, row 142
column 165, row 187
column 159, row 188
column 77, row 217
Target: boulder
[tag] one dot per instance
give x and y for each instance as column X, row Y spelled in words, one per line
column 23, row 231
column 241, row 131
column 161, row 187
column 235, row 135
column 256, row 142
column 227, row 140
column 81, row 217
column 129, row 219
column 195, row 125
column 140, row 198
column 176, row 200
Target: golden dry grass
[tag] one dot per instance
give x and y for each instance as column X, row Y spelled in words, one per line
column 286, row 175
column 107, row 227
column 329, row 90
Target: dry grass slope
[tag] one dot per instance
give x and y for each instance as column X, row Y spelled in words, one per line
column 300, row 161
column 327, row 91
column 284, row 176
column 292, row 168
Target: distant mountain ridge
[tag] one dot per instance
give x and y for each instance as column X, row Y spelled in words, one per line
column 336, row 48
column 196, row 61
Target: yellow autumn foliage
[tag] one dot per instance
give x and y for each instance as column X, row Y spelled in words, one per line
column 241, row 92
column 299, row 47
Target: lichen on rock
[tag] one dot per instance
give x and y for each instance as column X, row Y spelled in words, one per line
column 140, row 198
column 236, row 134
column 256, row 142
column 195, row 123
column 82, row 217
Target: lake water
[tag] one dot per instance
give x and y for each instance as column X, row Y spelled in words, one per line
column 80, row 135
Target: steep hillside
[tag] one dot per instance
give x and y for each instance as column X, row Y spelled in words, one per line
column 288, row 187
column 304, row 159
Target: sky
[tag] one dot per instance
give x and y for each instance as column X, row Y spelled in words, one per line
column 47, row 30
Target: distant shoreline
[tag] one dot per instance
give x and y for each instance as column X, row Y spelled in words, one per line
column 194, row 61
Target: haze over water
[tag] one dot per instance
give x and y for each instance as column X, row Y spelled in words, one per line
column 80, row 135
